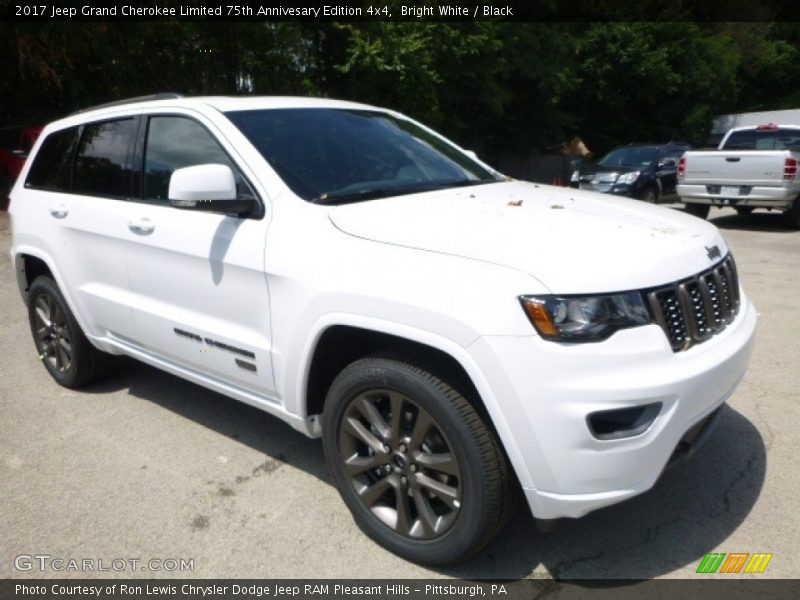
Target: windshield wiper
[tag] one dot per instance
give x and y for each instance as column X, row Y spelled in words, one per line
column 368, row 194
column 382, row 192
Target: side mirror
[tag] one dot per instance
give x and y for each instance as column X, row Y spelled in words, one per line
column 20, row 153
column 670, row 162
column 210, row 188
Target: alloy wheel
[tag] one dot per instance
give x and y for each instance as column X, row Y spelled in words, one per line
column 400, row 464
column 52, row 334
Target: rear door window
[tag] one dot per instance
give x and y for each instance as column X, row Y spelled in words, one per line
column 103, row 164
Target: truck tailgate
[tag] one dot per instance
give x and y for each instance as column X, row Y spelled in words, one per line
column 746, row 167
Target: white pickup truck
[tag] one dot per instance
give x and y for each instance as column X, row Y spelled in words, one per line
column 754, row 167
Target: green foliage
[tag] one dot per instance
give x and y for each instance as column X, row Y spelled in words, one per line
column 500, row 88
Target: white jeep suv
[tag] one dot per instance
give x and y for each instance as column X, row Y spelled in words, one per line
column 453, row 336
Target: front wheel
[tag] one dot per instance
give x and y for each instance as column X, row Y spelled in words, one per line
column 63, row 348
column 650, row 194
column 417, row 466
column 697, row 210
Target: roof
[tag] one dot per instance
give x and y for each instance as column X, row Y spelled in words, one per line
column 765, row 127
column 221, row 103
column 231, row 103
column 647, row 145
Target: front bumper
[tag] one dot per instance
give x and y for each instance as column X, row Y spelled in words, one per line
column 618, row 189
column 547, row 390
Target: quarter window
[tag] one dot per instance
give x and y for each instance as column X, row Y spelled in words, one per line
column 103, row 162
column 178, row 142
column 53, row 162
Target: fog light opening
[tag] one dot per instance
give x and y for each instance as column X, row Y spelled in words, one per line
column 622, row 423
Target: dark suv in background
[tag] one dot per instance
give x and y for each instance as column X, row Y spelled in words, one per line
column 644, row 171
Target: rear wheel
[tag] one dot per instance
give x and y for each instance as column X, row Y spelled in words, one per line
column 417, row 466
column 63, row 348
column 697, row 210
column 744, row 210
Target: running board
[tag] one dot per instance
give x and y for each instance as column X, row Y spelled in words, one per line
column 269, row 405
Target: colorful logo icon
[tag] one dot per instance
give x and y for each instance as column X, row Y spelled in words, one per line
column 734, row 562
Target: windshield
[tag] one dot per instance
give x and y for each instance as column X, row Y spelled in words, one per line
column 764, row 139
column 333, row 155
column 630, row 156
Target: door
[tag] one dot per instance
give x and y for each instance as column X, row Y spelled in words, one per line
column 201, row 298
column 668, row 174
column 80, row 183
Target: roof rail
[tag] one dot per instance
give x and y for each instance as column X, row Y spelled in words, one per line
column 669, row 143
column 149, row 98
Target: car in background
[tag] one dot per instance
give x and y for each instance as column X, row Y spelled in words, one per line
column 644, row 171
column 15, row 144
column 754, row 167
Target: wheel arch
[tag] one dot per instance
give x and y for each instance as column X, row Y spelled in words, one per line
column 339, row 345
column 444, row 357
column 30, row 263
column 28, row 266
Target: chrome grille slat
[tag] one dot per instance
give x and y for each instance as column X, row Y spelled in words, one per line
column 692, row 310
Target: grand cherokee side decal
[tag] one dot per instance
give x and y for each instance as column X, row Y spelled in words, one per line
column 212, row 342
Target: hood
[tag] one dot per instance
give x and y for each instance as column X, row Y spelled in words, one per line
column 573, row 242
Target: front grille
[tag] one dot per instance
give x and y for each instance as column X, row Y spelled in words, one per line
column 692, row 310
column 596, row 187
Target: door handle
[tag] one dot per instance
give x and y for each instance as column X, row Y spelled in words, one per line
column 59, row 211
column 141, row 226
column 732, row 158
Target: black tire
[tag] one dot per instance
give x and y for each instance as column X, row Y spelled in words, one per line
column 697, row 210
column 744, row 211
column 63, row 348
column 792, row 216
column 650, row 195
column 450, row 478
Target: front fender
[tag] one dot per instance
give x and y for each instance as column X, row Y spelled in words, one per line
column 453, row 349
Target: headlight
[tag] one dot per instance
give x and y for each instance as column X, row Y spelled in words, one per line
column 575, row 175
column 585, row 318
column 629, row 177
